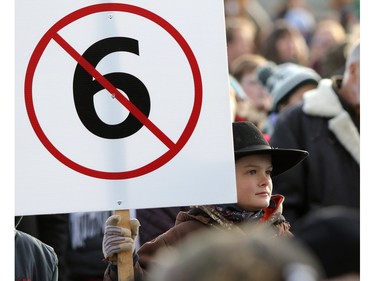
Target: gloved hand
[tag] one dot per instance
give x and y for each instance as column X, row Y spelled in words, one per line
column 118, row 239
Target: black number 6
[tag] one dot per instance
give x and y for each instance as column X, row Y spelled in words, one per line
column 85, row 87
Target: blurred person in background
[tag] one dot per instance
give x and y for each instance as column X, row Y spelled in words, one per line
column 333, row 236
column 240, row 36
column 327, row 35
column 33, row 259
column 254, row 255
column 52, row 230
column 348, row 12
column 286, row 84
column 253, row 11
column 327, row 124
column 285, row 43
column 298, row 14
column 258, row 105
column 333, row 62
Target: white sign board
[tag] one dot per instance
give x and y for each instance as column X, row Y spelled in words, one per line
column 121, row 106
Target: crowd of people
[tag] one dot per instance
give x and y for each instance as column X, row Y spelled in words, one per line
column 294, row 86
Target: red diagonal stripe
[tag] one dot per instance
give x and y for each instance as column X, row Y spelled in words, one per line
column 114, row 91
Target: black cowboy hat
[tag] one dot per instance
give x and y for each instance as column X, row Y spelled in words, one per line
column 249, row 140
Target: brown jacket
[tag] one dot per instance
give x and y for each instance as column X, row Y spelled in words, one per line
column 190, row 222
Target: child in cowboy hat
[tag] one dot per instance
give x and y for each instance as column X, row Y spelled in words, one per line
column 256, row 163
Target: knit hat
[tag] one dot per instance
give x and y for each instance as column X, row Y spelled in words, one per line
column 282, row 80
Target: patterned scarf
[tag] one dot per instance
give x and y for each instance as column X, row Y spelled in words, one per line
column 235, row 214
column 228, row 215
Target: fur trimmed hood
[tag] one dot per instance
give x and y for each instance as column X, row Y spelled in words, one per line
column 324, row 102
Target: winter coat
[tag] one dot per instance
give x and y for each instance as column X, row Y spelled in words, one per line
column 194, row 220
column 34, row 260
column 53, row 230
column 330, row 175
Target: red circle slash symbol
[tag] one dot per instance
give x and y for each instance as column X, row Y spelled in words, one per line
column 174, row 147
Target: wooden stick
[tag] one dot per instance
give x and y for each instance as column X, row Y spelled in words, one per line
column 125, row 268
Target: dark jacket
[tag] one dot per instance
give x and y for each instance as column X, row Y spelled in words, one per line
column 323, row 125
column 190, row 222
column 53, row 230
column 34, row 260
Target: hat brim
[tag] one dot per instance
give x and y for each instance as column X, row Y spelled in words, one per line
column 282, row 159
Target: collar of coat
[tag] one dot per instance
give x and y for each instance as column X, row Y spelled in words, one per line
column 324, row 102
column 271, row 214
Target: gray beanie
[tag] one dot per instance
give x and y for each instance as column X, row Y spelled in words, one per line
column 283, row 79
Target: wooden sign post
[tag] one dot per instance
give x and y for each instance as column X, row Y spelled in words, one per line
column 125, row 259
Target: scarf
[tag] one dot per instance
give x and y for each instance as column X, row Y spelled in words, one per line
column 237, row 215
column 228, row 215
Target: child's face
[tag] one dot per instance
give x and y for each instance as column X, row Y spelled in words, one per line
column 253, row 180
